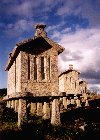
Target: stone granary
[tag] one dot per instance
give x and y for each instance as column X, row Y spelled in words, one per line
column 72, row 87
column 33, row 73
column 33, row 78
column 33, row 66
column 83, row 86
column 69, row 81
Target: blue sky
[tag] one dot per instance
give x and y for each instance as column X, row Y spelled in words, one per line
column 74, row 24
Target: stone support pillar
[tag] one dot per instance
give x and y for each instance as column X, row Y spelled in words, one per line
column 55, row 116
column 46, row 111
column 39, row 109
column 16, row 105
column 68, row 102
column 13, row 104
column 64, row 102
column 78, row 102
column 22, row 112
column 7, row 104
column 72, row 101
column 33, row 108
column 86, row 103
column 61, row 103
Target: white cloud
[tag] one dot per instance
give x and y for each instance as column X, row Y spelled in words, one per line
column 86, row 41
column 28, row 8
column 85, row 9
column 82, row 49
column 18, row 27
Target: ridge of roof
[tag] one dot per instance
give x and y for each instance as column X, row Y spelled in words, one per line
column 67, row 71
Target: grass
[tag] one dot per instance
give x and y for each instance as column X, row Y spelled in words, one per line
column 39, row 129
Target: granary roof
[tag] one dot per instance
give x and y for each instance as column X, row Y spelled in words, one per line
column 67, row 71
column 19, row 46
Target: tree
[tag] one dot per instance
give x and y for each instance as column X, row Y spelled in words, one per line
column 3, row 92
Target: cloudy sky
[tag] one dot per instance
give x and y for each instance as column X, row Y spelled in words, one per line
column 74, row 24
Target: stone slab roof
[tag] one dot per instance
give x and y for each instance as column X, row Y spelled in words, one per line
column 19, row 47
column 67, row 71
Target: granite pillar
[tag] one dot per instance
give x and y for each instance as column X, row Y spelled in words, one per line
column 33, row 108
column 55, row 116
column 39, row 109
column 22, row 112
column 46, row 111
column 16, row 105
column 64, row 102
column 78, row 102
column 86, row 103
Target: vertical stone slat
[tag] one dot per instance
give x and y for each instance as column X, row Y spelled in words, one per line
column 48, row 68
column 38, row 69
column 45, row 67
column 31, row 67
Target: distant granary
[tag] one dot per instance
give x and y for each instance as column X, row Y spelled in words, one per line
column 69, row 82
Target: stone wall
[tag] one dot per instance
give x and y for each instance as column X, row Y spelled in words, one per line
column 50, row 83
column 83, row 87
column 69, row 82
column 72, row 82
column 18, row 73
column 61, row 83
column 11, row 80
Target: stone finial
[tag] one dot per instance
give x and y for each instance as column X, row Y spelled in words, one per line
column 70, row 67
column 40, row 25
column 40, row 30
